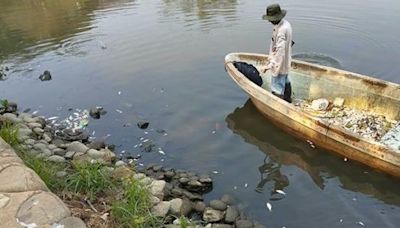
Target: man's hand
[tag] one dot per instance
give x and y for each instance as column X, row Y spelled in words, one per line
column 264, row 69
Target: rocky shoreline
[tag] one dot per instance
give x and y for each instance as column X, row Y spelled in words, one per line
column 176, row 195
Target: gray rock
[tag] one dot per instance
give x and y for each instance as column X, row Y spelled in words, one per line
column 57, row 142
column 157, row 168
column 68, row 155
column 176, row 192
column 77, row 154
column 95, row 154
column 61, row 174
column 146, row 181
column 157, row 188
column 12, row 118
column 77, row 147
column 161, row 209
column 183, row 180
column 59, row 152
column 40, row 146
column 205, row 179
column 29, row 119
column 29, row 142
column 228, row 199
column 180, row 207
column 199, row 206
column 47, row 152
column 216, row 225
column 56, row 158
column 43, row 142
column 38, row 131
column 120, row 163
column 47, row 137
column 138, row 176
column 194, row 186
column 211, row 215
column 52, row 147
column 218, row 205
column 72, row 222
column 97, row 145
column 169, row 174
column 231, row 214
column 109, row 156
column 34, row 125
column 192, row 196
column 25, row 132
column 243, row 224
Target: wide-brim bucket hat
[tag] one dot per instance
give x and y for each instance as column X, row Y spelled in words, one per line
column 274, row 13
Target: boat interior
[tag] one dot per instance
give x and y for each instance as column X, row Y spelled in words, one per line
column 311, row 81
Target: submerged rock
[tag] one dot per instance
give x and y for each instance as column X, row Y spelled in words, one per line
column 143, row 124
column 46, row 76
column 96, row 112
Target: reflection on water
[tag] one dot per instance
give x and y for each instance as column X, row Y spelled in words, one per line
column 31, row 27
column 319, row 165
column 208, row 13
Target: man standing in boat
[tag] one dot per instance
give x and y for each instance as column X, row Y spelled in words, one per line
column 280, row 52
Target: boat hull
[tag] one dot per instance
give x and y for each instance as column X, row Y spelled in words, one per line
column 300, row 124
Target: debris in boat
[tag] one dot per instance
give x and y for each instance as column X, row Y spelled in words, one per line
column 269, row 206
column 365, row 124
column 345, row 159
column 338, row 102
column 392, row 138
column 320, row 104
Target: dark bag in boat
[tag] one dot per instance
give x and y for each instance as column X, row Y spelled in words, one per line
column 249, row 71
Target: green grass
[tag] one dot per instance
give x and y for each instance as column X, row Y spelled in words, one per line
column 9, row 133
column 4, row 103
column 89, row 179
column 133, row 210
column 184, row 222
column 46, row 171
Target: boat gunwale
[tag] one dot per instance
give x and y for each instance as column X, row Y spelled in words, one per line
column 374, row 145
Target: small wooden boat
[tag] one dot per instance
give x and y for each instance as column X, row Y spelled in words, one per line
column 312, row 81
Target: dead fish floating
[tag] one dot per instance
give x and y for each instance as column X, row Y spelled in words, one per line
column 312, row 81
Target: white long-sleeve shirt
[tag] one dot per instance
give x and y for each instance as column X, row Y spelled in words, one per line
column 280, row 51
